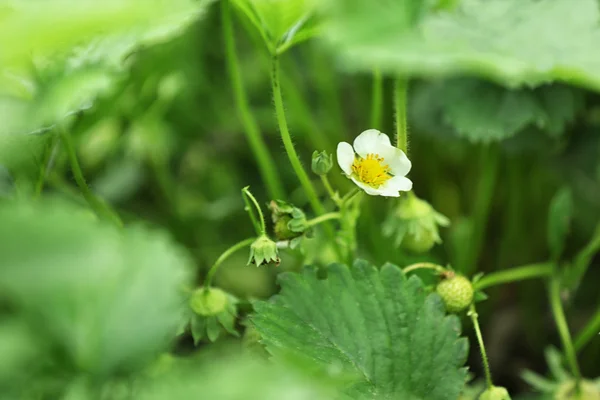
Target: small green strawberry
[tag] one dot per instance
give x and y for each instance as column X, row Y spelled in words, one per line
column 456, row 291
column 495, row 393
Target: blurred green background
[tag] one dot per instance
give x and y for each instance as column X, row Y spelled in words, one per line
column 164, row 144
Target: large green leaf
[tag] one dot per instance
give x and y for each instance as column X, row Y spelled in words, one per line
column 482, row 111
column 107, row 299
column 515, row 42
column 375, row 323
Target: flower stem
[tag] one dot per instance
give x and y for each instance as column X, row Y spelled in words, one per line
column 592, row 329
column 289, row 145
column 259, row 224
column 333, row 194
column 100, row 207
column 400, row 89
column 423, row 265
column 376, row 100
column 514, row 275
column 350, row 195
column 563, row 329
column 265, row 163
column 223, row 257
column 323, row 218
column 484, row 359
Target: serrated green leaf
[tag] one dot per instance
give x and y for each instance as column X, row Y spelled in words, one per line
column 107, row 299
column 514, row 42
column 482, row 111
column 374, row 323
column 559, row 221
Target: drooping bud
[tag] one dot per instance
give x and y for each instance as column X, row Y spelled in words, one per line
column 414, row 225
column 321, row 162
column 213, row 312
column 264, row 251
column 456, row 291
column 208, row 301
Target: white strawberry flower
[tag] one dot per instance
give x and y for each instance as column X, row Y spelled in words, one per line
column 375, row 165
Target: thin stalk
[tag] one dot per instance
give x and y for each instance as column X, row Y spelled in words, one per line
column 423, row 265
column 592, row 329
column 323, row 218
column 563, row 329
column 376, row 100
column 213, row 270
column 514, row 275
column 332, row 193
column 490, row 160
column 100, row 207
column 44, row 165
column 484, row 358
column 258, row 147
column 400, row 89
column 250, row 200
column 348, row 196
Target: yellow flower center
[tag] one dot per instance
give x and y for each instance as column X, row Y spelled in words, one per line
column 371, row 170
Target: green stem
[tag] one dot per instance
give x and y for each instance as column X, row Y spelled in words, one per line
column 223, row 257
column 100, row 208
column 490, row 160
column 46, row 159
column 376, row 100
column 259, row 224
column 484, row 359
column 333, row 194
column 266, row 165
column 348, row 196
column 514, row 275
column 323, row 218
column 289, row 145
column 423, row 265
column 592, row 329
column 563, row 329
column 400, row 89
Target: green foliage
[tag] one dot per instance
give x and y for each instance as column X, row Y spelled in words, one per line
column 374, row 323
column 281, row 23
column 106, row 300
column 483, row 112
column 514, row 42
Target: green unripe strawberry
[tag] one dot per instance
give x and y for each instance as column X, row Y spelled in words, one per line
column 457, row 292
column 419, row 243
column 209, row 301
column 495, row 393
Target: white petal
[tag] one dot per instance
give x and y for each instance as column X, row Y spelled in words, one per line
column 399, row 164
column 368, row 189
column 345, row 157
column 370, row 141
column 396, row 184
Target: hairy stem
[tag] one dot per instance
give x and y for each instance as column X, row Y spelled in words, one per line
column 592, row 329
column 323, row 218
column 514, row 275
column 376, row 100
column 250, row 200
column 213, row 270
column 332, row 194
column 400, row 89
column 563, row 329
column 258, row 147
column 100, row 207
column 484, row 359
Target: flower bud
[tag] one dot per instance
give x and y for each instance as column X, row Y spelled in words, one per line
column 208, row 301
column 289, row 221
column 456, row 291
column 495, row 393
column 321, row 162
column 414, row 225
column 263, row 251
